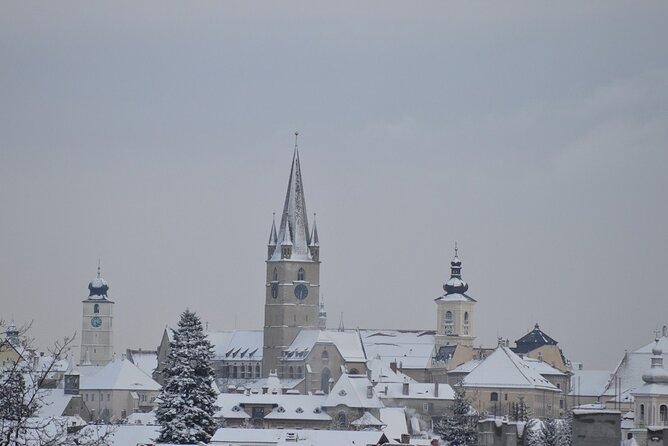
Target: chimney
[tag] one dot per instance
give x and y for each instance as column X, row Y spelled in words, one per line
column 404, row 388
column 393, row 366
column 436, row 389
column 265, row 389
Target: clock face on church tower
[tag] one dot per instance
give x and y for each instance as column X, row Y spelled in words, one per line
column 96, row 322
column 301, row 292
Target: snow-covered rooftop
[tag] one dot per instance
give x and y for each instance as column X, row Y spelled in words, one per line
column 117, row 375
column 503, row 368
column 241, row 345
column 297, row 407
column 145, row 360
column 353, row 391
column 416, row 391
column 302, row 437
column 589, row 382
column 346, row 342
column 411, row 349
column 394, row 419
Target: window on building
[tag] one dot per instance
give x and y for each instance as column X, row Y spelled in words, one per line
column 291, row 372
column 448, row 316
column 258, row 413
column 324, row 380
column 494, row 396
column 663, row 414
column 108, row 397
column 234, row 371
column 325, row 357
column 466, row 317
column 257, row 370
column 242, row 371
column 505, row 397
column 558, row 386
column 642, row 414
column 299, row 372
column 96, row 308
column 226, row 371
column 92, row 397
column 300, row 274
column 342, row 419
column 561, row 404
column 275, row 276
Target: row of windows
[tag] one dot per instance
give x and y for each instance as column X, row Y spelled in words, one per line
column 242, row 371
column 301, row 275
column 449, row 317
column 101, row 397
column 663, row 414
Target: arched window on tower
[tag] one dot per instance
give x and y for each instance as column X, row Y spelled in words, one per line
column 663, row 414
column 300, row 274
column 642, row 415
column 96, row 308
column 275, row 276
column 448, row 322
column 466, row 322
column 324, row 357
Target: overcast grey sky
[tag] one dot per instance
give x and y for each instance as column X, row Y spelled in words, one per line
column 158, row 136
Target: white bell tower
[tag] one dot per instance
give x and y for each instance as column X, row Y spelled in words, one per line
column 97, row 328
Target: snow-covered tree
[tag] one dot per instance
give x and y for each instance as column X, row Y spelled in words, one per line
column 187, row 400
column 22, row 396
column 459, row 428
column 558, row 431
column 521, row 411
column 534, row 433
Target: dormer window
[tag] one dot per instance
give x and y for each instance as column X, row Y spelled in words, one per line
column 300, row 274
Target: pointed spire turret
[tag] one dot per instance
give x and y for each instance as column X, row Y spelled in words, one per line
column 314, row 242
column 294, row 221
column 273, row 238
column 341, row 327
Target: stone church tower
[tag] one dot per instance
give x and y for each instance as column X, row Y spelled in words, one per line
column 455, row 310
column 97, row 330
column 292, row 301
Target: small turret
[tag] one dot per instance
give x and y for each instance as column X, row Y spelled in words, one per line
column 286, row 243
column 455, row 285
column 314, row 242
column 12, row 334
column 98, row 287
column 273, row 239
column 657, row 374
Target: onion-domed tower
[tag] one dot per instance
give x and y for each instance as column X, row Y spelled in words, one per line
column 651, row 399
column 97, row 329
column 455, row 309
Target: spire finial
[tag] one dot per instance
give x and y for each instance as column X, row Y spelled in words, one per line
column 98, row 268
column 296, row 136
column 456, row 249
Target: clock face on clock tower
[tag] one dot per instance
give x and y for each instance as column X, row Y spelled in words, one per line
column 96, row 322
column 301, row 292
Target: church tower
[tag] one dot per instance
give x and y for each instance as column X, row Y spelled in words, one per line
column 97, row 330
column 292, row 301
column 455, row 309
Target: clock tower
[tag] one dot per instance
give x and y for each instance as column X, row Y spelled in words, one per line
column 292, row 298
column 97, row 328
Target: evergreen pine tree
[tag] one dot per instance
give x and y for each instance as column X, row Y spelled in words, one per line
column 534, row 432
column 551, row 432
column 187, row 400
column 461, row 427
column 564, row 430
column 521, row 411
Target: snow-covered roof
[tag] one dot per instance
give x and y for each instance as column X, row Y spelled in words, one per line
column 381, row 372
column 632, row 366
column 455, row 297
column 542, row 367
column 353, row 391
column 394, row 419
column 145, row 360
column 411, row 349
column 367, row 420
column 467, row 367
column 346, row 342
column 302, row 437
column 503, row 368
column 53, row 402
column 589, row 382
column 117, row 375
column 125, row 434
column 416, row 391
column 285, row 406
column 240, row 345
column 144, row 418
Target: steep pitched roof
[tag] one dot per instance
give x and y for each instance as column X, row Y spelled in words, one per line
column 411, row 349
column 532, row 340
column 348, row 344
column 352, row 391
column 503, row 368
column 294, row 221
column 117, row 375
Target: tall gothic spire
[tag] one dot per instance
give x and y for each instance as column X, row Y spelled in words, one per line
column 273, row 238
column 294, row 220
